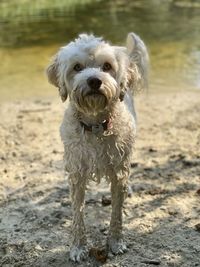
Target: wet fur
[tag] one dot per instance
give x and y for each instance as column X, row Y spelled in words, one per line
column 89, row 156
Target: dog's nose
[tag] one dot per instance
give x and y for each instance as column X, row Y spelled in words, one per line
column 94, row 83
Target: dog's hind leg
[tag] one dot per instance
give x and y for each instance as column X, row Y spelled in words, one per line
column 78, row 250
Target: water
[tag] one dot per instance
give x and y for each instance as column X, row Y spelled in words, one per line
column 32, row 31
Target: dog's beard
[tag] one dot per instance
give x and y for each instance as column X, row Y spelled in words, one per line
column 89, row 101
column 94, row 102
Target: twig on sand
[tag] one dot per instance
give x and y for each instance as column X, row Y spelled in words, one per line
column 153, row 262
column 34, row 110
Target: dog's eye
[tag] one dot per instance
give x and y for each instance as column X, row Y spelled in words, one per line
column 78, row 67
column 107, row 66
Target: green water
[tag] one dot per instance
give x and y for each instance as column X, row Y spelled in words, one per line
column 32, row 31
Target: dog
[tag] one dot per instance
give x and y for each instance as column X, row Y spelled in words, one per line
column 99, row 126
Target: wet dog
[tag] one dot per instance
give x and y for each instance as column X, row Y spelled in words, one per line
column 98, row 129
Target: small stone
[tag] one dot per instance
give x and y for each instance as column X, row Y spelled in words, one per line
column 14, row 154
column 173, row 212
column 191, row 163
column 105, row 201
column 65, row 203
column 103, row 229
column 20, row 116
column 198, row 192
column 39, row 248
column 134, row 165
column 156, row 191
column 197, row 227
column 151, row 150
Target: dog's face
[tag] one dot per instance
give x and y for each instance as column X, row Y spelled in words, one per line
column 95, row 74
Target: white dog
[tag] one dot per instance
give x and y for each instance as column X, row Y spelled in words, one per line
column 98, row 128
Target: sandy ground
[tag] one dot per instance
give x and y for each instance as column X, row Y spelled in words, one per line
column 161, row 218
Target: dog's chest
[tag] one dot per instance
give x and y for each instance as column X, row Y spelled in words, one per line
column 90, row 154
column 95, row 156
column 101, row 151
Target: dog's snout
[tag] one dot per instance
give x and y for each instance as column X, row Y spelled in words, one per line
column 94, row 83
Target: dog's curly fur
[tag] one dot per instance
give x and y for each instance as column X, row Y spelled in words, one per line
column 100, row 80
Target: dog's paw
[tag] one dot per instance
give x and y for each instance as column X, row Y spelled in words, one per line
column 78, row 254
column 117, row 246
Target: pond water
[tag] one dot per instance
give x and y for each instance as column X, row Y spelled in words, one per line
column 32, row 31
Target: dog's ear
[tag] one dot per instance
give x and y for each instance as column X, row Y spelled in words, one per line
column 52, row 74
column 139, row 62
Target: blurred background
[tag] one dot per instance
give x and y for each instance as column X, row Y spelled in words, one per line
column 32, row 31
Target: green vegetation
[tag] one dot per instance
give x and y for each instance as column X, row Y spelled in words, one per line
column 43, row 22
column 27, row 22
column 187, row 3
column 20, row 8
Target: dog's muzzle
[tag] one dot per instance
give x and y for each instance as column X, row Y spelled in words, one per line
column 94, row 85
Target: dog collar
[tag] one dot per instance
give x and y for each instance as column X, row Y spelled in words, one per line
column 99, row 128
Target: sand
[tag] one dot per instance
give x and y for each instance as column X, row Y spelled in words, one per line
column 161, row 218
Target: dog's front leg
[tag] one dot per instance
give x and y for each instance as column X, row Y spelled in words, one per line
column 115, row 239
column 78, row 250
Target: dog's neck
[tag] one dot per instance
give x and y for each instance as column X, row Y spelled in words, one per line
column 93, row 118
column 96, row 123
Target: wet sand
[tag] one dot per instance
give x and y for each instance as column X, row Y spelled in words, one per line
column 161, row 218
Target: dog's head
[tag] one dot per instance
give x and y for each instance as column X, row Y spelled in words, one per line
column 96, row 74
